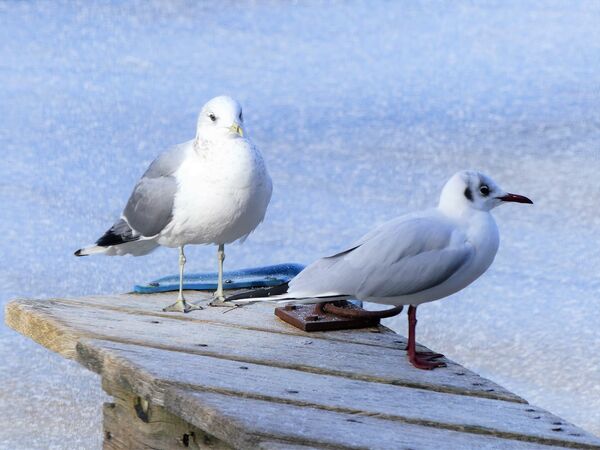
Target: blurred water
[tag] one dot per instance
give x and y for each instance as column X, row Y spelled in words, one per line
column 362, row 111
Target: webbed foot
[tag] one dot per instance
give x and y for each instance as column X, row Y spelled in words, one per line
column 182, row 306
column 423, row 360
column 220, row 301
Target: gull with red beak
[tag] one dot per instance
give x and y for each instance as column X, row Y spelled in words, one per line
column 413, row 259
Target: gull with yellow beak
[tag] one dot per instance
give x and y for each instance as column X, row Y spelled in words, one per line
column 214, row 189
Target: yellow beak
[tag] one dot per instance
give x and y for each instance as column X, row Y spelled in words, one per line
column 236, row 128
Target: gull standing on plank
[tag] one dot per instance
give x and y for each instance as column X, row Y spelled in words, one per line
column 214, row 189
column 413, row 259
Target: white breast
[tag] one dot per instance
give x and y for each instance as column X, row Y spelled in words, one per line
column 482, row 234
column 224, row 191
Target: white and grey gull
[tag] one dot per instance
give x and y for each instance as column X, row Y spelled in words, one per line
column 413, row 259
column 214, row 189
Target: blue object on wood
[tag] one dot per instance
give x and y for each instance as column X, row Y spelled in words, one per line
column 235, row 279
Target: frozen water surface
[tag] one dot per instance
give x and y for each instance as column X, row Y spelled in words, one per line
column 362, row 111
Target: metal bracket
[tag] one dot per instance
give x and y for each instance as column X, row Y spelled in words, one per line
column 339, row 315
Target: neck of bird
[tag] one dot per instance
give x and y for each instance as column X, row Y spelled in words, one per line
column 204, row 142
column 460, row 211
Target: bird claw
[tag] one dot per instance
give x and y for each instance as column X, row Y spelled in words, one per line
column 182, row 306
column 430, row 355
column 222, row 302
column 423, row 360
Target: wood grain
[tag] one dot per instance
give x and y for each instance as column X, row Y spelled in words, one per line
column 252, row 317
column 244, row 379
column 357, row 361
column 151, row 372
column 156, row 429
column 245, row 423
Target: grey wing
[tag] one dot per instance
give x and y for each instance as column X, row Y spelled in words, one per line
column 150, row 206
column 399, row 258
column 413, row 274
column 388, row 227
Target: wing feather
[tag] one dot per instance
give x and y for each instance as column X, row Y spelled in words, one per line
column 150, row 206
column 401, row 257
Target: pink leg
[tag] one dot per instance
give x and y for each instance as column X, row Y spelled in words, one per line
column 421, row 360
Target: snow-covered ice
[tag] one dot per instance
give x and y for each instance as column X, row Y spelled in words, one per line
column 362, row 111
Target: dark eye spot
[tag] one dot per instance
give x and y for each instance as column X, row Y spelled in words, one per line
column 212, row 117
column 241, row 117
column 469, row 194
column 485, row 190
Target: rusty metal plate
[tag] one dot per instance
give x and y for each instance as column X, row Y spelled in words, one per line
column 316, row 318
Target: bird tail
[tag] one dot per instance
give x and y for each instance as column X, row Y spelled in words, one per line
column 91, row 250
column 263, row 294
column 120, row 239
column 279, row 294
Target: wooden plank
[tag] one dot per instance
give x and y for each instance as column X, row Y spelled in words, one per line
column 59, row 326
column 35, row 319
column 150, row 372
column 213, row 355
column 126, row 428
column 247, row 423
column 252, row 317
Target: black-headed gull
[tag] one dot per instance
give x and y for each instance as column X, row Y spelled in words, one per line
column 413, row 259
column 214, row 189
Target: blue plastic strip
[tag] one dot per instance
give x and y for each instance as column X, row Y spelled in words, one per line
column 235, row 279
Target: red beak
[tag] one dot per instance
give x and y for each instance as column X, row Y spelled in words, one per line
column 515, row 198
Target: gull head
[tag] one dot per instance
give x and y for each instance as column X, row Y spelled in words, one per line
column 221, row 117
column 469, row 189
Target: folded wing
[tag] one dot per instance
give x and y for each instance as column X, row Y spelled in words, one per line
column 150, row 206
column 401, row 257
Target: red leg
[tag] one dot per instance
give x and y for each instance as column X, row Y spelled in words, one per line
column 421, row 360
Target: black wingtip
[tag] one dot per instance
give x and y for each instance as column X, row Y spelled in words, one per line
column 78, row 252
column 119, row 233
column 259, row 293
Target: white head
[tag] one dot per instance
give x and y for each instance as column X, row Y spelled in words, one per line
column 474, row 190
column 220, row 117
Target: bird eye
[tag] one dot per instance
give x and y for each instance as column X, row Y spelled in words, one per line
column 212, row 117
column 241, row 117
column 485, row 190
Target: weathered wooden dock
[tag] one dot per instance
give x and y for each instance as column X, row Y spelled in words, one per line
column 244, row 379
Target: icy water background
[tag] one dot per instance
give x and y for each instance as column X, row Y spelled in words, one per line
column 362, row 112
